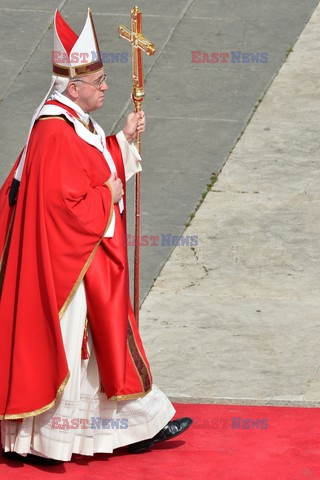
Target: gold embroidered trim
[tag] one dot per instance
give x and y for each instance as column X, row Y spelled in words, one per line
column 145, row 375
column 60, row 117
column 86, row 325
column 131, row 396
column 85, row 338
column 49, row 117
column 86, row 265
column 87, row 125
column 135, row 366
column 16, row 416
column 78, row 71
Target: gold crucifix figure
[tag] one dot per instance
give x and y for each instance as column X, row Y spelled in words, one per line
column 139, row 45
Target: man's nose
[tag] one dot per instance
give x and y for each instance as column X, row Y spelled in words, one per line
column 104, row 86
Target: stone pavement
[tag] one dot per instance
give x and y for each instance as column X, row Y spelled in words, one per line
column 236, row 315
column 242, row 308
column 195, row 111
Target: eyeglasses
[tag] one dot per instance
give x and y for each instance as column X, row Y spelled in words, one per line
column 97, row 84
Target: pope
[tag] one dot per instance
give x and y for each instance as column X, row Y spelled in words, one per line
column 69, row 345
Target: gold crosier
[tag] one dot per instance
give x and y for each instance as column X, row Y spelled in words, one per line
column 139, row 44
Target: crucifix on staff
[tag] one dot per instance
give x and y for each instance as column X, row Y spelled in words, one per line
column 139, row 44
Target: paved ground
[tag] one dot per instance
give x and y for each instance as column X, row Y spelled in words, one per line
column 196, row 111
column 241, row 307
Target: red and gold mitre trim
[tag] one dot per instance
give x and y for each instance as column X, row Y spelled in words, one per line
column 71, row 72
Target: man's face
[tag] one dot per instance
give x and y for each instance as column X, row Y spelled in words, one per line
column 91, row 91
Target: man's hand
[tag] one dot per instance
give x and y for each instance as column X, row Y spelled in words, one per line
column 136, row 122
column 116, row 187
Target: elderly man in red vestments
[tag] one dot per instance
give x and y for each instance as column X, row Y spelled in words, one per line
column 74, row 376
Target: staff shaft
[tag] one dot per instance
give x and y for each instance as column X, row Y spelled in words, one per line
column 139, row 45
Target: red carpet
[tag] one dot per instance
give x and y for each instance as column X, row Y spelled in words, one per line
column 266, row 443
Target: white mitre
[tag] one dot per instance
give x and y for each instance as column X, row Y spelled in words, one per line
column 73, row 56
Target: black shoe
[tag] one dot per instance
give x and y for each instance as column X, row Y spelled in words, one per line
column 171, row 430
column 30, row 459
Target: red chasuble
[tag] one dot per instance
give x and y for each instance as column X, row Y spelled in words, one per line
column 50, row 241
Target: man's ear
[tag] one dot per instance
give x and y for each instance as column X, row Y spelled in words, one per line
column 72, row 90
